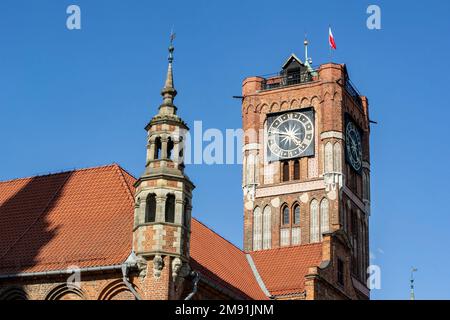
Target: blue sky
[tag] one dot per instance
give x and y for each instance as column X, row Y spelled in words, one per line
column 74, row 99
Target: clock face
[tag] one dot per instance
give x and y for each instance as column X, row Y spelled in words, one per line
column 291, row 135
column 353, row 146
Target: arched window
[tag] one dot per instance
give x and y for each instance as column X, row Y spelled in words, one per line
column 150, row 208
column 158, row 146
column 267, row 228
column 296, row 214
column 328, row 165
column 285, row 217
column 324, row 217
column 170, row 208
column 314, row 223
column 296, row 235
column 170, row 146
column 285, row 171
column 337, row 157
column 13, row 294
column 296, row 170
column 285, row 224
column 257, row 228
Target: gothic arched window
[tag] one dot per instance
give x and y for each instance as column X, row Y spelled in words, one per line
column 285, row 216
column 257, row 228
column 296, row 170
column 170, row 208
column 324, row 217
column 150, row 208
column 296, row 235
column 285, row 226
column 314, row 223
column 296, row 214
column 285, row 171
column 267, row 228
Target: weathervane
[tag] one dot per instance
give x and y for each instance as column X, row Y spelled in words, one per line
column 171, row 47
column 412, row 283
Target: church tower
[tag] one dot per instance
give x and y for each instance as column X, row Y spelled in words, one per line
column 307, row 163
column 163, row 201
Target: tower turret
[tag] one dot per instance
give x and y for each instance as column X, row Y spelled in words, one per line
column 163, row 200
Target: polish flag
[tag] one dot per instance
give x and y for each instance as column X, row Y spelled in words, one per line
column 331, row 39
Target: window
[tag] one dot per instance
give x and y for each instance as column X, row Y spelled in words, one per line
column 285, row 231
column 170, row 146
column 285, row 171
column 296, row 235
column 257, row 222
column 324, row 217
column 296, row 170
column 296, row 214
column 340, row 272
column 285, row 217
column 158, row 146
column 285, row 236
column 150, row 208
column 314, row 223
column 170, row 208
column 267, row 228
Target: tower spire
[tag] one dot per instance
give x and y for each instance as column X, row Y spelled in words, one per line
column 169, row 92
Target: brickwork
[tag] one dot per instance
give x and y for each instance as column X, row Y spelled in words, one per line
column 327, row 95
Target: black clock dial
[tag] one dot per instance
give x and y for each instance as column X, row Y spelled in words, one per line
column 353, row 146
column 290, row 135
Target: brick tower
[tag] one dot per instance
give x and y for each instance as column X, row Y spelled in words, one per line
column 306, row 162
column 163, row 201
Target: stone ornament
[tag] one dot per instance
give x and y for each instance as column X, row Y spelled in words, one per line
column 158, row 265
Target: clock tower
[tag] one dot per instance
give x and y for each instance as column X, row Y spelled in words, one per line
column 306, row 163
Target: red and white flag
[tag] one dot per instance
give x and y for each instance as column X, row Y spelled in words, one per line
column 331, row 39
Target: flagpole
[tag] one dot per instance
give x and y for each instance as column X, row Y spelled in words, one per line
column 329, row 45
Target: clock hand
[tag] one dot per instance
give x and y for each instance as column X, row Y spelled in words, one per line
column 297, row 141
column 279, row 132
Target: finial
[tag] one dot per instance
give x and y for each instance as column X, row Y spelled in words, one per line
column 171, row 47
column 412, row 283
column 169, row 92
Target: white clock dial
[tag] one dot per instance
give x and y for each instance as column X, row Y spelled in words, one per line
column 290, row 134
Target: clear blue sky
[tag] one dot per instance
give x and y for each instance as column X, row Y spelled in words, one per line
column 82, row 98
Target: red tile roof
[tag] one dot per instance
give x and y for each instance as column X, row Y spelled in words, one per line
column 283, row 270
column 84, row 218
column 223, row 262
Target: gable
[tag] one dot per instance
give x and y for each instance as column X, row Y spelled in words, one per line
column 293, row 62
